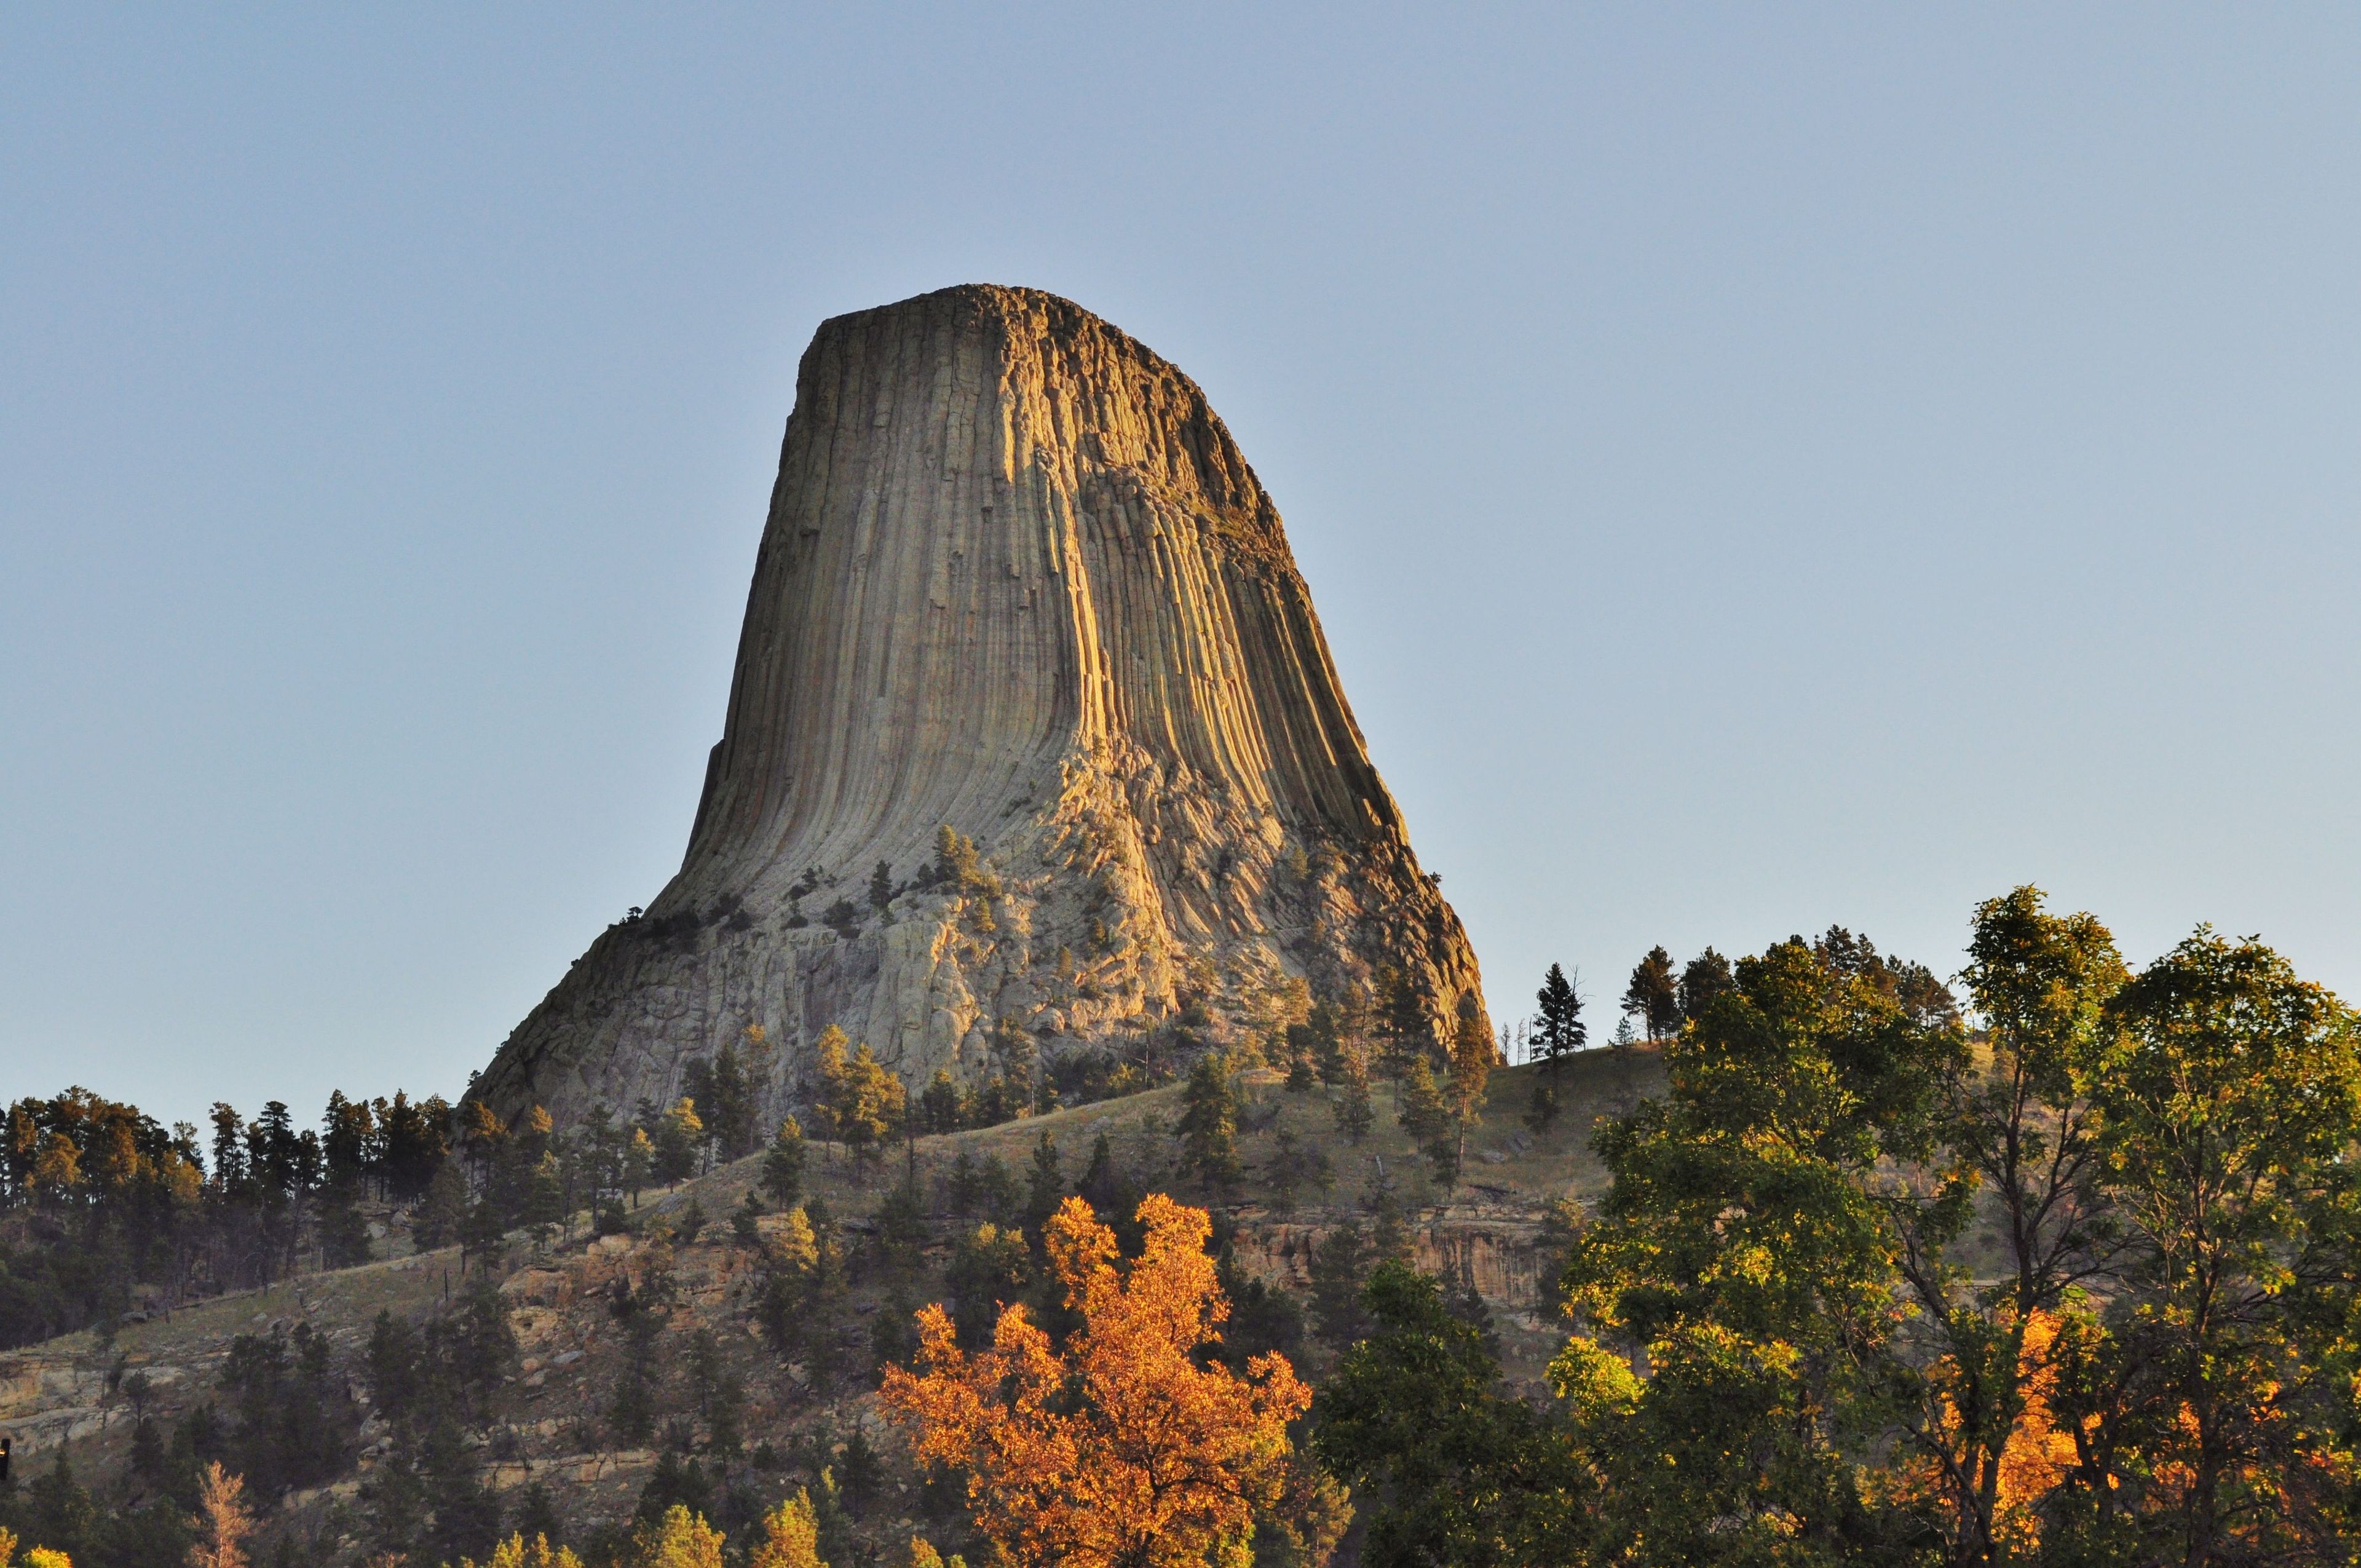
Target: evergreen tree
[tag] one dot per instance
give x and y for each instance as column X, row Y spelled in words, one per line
column 783, row 1166
column 881, row 887
column 1427, row 1119
column 831, row 1071
column 480, row 1232
column 414, row 1144
column 1208, row 1127
column 1293, row 1165
column 349, row 1133
column 639, row 1162
column 1558, row 1033
column 229, row 1151
column 677, row 1135
column 344, row 1231
column 1407, row 1025
column 1652, row 999
column 1472, row 1053
column 725, row 1098
column 1339, row 1263
column 544, row 1204
column 1325, row 1027
column 861, row 1102
column 1356, row 1113
column 1045, row 1186
column 939, row 1107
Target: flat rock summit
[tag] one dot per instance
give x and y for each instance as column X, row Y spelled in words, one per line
column 1025, row 632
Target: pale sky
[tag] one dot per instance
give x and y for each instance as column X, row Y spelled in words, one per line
column 1758, row 466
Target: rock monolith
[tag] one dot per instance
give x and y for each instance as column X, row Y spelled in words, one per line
column 1026, row 633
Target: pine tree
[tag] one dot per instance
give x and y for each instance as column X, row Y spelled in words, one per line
column 881, row 887
column 783, row 1166
column 1652, row 999
column 676, row 1138
column 939, row 1107
column 1407, row 1029
column 1326, row 1027
column 1426, row 1118
column 1356, row 1113
column 639, row 1162
column 1045, row 1185
column 544, row 1204
column 349, row 1131
column 863, row 1103
column 1471, row 1069
column 832, row 1093
column 1209, row 1125
column 1558, row 1033
column 724, row 1096
column 1303, row 1063
column 481, row 1233
column 1339, row 1268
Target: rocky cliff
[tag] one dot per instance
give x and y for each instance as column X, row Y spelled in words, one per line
column 1018, row 582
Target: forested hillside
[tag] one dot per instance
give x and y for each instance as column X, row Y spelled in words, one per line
column 1820, row 1261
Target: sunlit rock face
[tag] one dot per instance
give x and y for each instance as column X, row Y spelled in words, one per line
column 1016, row 580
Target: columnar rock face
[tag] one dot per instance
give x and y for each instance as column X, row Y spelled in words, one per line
column 1016, row 581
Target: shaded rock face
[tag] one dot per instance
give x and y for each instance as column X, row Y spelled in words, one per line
column 1019, row 581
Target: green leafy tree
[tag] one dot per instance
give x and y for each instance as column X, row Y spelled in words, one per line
column 2229, row 1094
column 1703, row 978
column 2015, row 1137
column 1744, row 1250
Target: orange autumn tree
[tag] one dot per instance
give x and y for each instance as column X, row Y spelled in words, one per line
column 1121, row 1452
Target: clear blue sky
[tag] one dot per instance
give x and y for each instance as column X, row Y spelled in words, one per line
column 1758, row 466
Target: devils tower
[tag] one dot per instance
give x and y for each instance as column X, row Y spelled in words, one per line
column 1016, row 581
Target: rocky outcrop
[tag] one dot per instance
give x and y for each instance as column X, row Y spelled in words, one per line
column 1018, row 582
